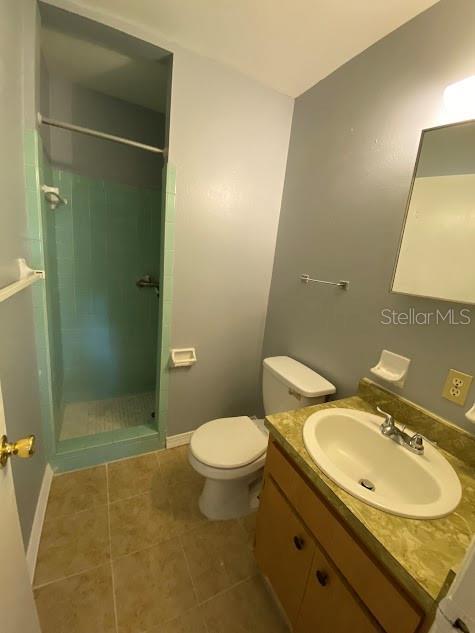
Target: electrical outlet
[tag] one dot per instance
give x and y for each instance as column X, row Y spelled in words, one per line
column 457, row 386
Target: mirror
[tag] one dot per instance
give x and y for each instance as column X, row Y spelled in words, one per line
column 437, row 252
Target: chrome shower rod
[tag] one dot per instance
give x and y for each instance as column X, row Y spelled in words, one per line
column 107, row 137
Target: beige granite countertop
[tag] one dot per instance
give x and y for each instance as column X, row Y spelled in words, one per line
column 422, row 555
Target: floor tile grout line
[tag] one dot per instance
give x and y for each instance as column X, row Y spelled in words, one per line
column 187, row 563
column 198, row 602
column 230, row 588
column 185, row 612
column 114, row 598
column 69, row 576
column 195, row 591
column 73, row 514
column 144, row 549
column 219, row 593
column 139, row 494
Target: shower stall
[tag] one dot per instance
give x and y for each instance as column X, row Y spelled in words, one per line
column 102, row 158
column 100, row 243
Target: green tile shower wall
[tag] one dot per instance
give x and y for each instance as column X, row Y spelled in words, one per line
column 102, row 241
column 41, row 240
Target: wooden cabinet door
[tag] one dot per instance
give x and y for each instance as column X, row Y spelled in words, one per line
column 329, row 605
column 284, row 549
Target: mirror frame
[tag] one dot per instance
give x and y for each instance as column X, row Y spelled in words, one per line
column 406, row 213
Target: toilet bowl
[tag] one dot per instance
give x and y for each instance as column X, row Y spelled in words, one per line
column 230, row 452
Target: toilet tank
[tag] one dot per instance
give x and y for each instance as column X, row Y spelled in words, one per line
column 287, row 385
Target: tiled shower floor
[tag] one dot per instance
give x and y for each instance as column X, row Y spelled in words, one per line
column 99, row 416
column 125, row 549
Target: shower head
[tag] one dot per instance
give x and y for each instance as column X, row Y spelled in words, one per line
column 53, row 197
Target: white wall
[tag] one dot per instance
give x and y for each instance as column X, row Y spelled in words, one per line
column 228, row 140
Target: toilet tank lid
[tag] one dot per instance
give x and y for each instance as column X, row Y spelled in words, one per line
column 299, row 377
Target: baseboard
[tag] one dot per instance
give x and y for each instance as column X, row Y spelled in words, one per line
column 179, row 440
column 36, row 528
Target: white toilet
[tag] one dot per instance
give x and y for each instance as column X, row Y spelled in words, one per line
column 230, row 452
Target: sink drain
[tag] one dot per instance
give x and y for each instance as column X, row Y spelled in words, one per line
column 366, row 483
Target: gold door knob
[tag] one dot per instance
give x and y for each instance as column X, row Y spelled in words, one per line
column 22, row 448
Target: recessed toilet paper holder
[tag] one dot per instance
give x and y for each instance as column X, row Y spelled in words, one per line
column 182, row 357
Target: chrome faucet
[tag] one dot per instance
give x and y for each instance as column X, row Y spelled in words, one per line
column 414, row 443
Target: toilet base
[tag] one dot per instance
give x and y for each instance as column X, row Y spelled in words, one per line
column 223, row 499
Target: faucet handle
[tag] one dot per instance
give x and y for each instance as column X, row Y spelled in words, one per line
column 388, row 418
column 426, row 439
column 417, row 442
column 388, row 426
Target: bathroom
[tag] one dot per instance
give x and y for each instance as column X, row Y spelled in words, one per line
column 274, row 166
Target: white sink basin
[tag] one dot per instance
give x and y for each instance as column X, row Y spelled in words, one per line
column 350, row 448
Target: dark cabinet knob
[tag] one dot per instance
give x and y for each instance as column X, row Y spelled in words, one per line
column 461, row 626
column 299, row 542
column 322, row 578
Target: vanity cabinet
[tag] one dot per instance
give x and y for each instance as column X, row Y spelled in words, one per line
column 323, row 577
column 329, row 605
column 287, row 551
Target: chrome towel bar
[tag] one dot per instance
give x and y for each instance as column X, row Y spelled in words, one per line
column 27, row 277
column 341, row 284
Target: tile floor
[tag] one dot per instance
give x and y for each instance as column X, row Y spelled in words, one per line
column 99, row 416
column 125, row 549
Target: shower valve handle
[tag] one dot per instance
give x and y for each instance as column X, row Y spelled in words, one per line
column 147, row 281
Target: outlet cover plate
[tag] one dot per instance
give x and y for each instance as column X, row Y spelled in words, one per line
column 457, row 386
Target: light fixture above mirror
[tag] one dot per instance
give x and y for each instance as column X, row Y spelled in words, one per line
column 459, row 99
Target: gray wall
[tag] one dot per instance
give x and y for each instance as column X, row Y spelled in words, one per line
column 353, row 146
column 18, row 373
column 230, row 150
column 93, row 157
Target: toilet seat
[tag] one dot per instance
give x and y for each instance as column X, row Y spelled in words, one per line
column 229, row 443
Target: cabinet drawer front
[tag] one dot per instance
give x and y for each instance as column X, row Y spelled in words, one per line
column 379, row 593
column 284, row 549
column 329, row 604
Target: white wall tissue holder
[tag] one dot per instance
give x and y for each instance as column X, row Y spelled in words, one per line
column 392, row 368
column 183, row 357
column 470, row 415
